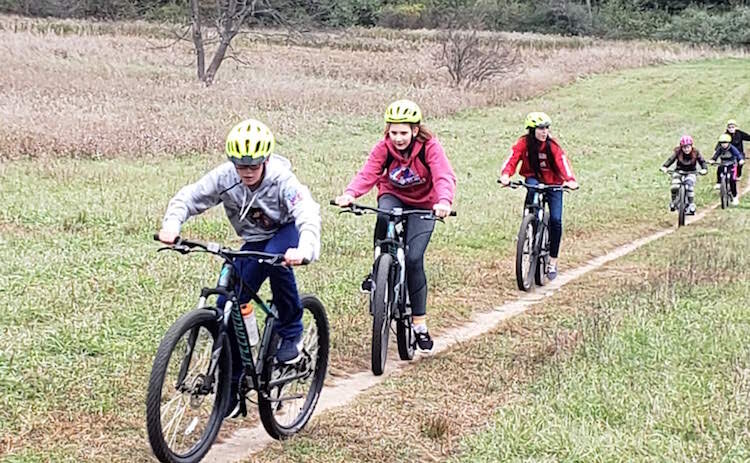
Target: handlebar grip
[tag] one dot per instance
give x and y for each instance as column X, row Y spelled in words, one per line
column 452, row 214
column 176, row 239
column 333, row 202
column 305, row 261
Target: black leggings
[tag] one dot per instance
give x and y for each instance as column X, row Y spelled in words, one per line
column 418, row 233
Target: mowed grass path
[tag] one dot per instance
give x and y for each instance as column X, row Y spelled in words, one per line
column 85, row 299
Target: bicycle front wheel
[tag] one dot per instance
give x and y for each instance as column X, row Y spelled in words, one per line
column 526, row 254
column 380, row 306
column 292, row 391
column 682, row 205
column 724, row 192
column 185, row 406
column 540, row 274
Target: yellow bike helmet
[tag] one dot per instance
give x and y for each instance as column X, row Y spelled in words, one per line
column 731, row 122
column 537, row 120
column 249, row 143
column 403, row 112
column 725, row 138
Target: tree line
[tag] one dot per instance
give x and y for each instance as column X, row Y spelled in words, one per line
column 713, row 22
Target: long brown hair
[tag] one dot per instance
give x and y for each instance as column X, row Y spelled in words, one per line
column 423, row 135
column 693, row 155
column 532, row 151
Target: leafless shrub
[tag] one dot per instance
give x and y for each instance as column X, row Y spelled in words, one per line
column 468, row 62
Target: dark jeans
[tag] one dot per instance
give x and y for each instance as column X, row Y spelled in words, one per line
column 555, row 202
column 283, row 287
column 418, row 233
column 731, row 173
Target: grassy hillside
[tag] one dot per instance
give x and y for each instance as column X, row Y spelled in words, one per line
column 85, row 299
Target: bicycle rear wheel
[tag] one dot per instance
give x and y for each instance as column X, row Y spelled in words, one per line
column 380, row 307
column 185, row 407
column 540, row 275
column 292, row 391
column 682, row 205
column 525, row 254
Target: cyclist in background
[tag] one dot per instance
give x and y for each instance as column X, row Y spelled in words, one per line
column 688, row 158
column 272, row 212
column 727, row 153
column 542, row 160
column 411, row 171
column 738, row 136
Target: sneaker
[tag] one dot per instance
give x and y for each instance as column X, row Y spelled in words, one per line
column 552, row 271
column 289, row 351
column 672, row 207
column 366, row 285
column 424, row 341
column 691, row 209
column 735, row 201
column 717, row 186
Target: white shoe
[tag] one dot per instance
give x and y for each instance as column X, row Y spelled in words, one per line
column 717, row 186
column 735, row 201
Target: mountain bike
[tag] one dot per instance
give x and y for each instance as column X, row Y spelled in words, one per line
column 532, row 247
column 681, row 201
column 389, row 295
column 726, row 171
column 190, row 383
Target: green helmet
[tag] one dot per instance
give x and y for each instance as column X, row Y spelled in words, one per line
column 249, row 143
column 725, row 138
column 537, row 120
column 403, row 112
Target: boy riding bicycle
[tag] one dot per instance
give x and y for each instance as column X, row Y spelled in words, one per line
column 271, row 211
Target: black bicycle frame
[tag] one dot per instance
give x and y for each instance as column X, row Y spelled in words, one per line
column 231, row 311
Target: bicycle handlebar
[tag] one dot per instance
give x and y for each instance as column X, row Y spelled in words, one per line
column 714, row 162
column 681, row 172
column 539, row 186
column 184, row 246
column 359, row 209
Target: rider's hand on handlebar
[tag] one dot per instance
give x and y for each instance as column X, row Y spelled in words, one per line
column 441, row 210
column 167, row 236
column 572, row 184
column 505, row 179
column 294, row 256
column 741, row 162
column 663, row 169
column 344, row 200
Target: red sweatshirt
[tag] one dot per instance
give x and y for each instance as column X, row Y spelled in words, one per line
column 554, row 173
column 407, row 178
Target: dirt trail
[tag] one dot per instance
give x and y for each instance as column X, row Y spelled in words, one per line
column 245, row 442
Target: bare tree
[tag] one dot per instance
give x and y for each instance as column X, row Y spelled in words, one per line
column 227, row 19
column 469, row 62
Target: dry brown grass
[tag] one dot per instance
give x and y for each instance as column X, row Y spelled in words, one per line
column 74, row 88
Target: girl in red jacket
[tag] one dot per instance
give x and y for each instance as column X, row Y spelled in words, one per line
column 542, row 161
column 411, row 171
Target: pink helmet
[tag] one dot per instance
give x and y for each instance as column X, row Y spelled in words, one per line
column 686, row 140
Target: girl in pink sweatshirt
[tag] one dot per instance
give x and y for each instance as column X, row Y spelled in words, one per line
column 411, row 171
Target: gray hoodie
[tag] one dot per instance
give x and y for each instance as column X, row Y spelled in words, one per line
column 256, row 215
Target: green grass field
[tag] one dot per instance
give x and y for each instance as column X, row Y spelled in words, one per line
column 663, row 368
column 86, row 299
